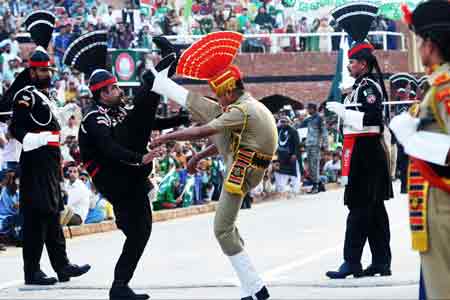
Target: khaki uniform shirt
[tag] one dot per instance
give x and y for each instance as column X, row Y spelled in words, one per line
column 260, row 133
column 436, row 104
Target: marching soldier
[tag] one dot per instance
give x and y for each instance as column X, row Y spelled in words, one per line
column 365, row 161
column 242, row 130
column 424, row 133
column 113, row 141
column 34, row 124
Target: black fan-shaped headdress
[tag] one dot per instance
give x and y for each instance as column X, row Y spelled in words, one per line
column 88, row 52
column 356, row 18
column 402, row 80
column 40, row 25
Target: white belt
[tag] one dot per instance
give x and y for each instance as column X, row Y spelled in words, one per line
column 366, row 129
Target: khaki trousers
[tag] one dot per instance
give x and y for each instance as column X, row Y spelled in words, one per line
column 227, row 211
column 436, row 261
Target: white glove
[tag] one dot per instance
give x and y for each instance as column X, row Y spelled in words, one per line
column 32, row 141
column 337, row 108
column 404, row 126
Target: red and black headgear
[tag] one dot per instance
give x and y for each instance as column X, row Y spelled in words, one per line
column 211, row 58
column 88, row 54
column 356, row 18
column 40, row 25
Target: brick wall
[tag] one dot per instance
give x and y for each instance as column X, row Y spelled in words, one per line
column 312, row 73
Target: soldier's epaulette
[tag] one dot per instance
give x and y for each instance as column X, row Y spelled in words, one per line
column 442, row 79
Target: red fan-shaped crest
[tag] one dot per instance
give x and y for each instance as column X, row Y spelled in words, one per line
column 210, row 55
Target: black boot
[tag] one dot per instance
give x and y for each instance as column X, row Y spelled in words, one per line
column 374, row 269
column 315, row 189
column 263, row 294
column 124, row 292
column 346, row 269
column 39, row 278
column 72, row 271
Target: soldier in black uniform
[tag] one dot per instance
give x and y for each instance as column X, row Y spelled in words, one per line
column 365, row 161
column 34, row 125
column 404, row 88
column 113, row 141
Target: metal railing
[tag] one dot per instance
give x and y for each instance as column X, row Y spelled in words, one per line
column 275, row 38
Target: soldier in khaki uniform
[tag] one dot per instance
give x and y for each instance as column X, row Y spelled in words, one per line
column 424, row 133
column 241, row 129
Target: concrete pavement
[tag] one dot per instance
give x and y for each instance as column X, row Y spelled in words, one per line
column 292, row 242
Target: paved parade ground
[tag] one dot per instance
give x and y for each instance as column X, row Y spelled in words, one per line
column 292, row 242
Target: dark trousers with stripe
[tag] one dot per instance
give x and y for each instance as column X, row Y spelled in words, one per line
column 368, row 223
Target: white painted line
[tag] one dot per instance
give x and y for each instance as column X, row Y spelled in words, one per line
column 10, row 284
column 271, row 274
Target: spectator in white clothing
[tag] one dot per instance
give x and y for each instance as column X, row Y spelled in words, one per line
column 78, row 198
column 71, row 129
column 11, row 149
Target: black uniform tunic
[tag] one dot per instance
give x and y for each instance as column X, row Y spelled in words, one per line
column 112, row 142
column 369, row 182
column 40, row 186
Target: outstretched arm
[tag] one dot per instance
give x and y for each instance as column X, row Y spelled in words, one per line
column 188, row 134
column 211, row 150
column 193, row 162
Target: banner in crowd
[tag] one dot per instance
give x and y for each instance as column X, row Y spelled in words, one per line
column 125, row 65
column 388, row 8
column 145, row 7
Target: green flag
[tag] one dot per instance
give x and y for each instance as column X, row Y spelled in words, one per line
column 187, row 9
column 335, row 91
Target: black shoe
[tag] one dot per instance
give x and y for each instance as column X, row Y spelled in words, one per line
column 263, row 294
column 123, row 292
column 373, row 269
column 314, row 190
column 346, row 269
column 39, row 278
column 72, row 271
